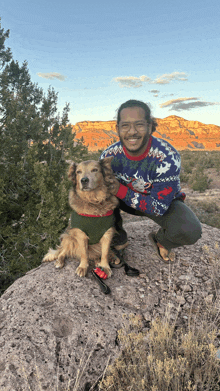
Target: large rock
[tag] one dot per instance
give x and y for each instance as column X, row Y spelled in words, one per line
column 58, row 330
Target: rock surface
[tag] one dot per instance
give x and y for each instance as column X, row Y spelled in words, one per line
column 58, row 330
column 181, row 133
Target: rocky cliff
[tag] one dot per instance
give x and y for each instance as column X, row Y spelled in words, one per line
column 96, row 134
column 182, row 134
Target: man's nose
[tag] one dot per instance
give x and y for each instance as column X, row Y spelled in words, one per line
column 132, row 129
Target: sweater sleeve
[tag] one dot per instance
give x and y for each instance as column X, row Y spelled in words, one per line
column 155, row 203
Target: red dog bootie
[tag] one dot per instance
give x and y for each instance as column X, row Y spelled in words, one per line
column 99, row 276
column 100, row 272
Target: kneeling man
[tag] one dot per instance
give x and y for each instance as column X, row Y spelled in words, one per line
column 148, row 171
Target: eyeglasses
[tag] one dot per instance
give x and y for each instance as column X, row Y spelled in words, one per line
column 138, row 126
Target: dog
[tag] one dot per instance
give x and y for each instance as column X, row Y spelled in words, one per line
column 91, row 229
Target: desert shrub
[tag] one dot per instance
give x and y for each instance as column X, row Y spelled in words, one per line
column 213, row 220
column 199, row 159
column 184, row 177
column 188, row 167
column 209, row 207
column 200, row 181
column 209, row 159
column 188, row 160
column 165, row 359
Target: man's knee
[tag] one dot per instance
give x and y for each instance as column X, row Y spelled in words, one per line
column 195, row 233
column 189, row 229
column 190, row 234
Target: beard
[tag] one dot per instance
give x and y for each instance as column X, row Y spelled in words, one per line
column 138, row 149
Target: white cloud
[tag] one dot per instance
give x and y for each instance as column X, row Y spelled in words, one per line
column 129, row 81
column 137, row 82
column 168, row 78
column 52, row 75
column 145, row 78
column 180, row 104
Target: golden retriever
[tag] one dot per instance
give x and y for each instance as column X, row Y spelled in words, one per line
column 94, row 186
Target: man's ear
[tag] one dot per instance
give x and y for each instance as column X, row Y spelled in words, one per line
column 72, row 173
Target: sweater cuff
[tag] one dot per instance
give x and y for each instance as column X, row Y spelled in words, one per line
column 122, row 191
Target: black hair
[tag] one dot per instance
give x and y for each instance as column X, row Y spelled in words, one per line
column 138, row 103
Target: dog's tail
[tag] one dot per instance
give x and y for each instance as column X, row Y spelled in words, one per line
column 51, row 255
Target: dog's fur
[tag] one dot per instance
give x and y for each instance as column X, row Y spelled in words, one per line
column 94, row 186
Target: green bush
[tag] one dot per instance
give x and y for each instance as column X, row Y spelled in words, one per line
column 200, row 181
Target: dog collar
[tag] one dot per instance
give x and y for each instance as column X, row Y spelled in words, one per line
column 109, row 213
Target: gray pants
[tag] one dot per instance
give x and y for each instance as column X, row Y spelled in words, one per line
column 179, row 225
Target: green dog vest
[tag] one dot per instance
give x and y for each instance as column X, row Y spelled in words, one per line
column 94, row 227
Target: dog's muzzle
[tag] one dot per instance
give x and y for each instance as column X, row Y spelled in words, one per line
column 85, row 182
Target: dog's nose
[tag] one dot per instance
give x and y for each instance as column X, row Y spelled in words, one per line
column 84, row 180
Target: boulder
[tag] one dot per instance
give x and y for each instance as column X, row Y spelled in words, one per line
column 59, row 331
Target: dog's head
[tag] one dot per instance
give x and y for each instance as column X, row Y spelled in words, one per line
column 91, row 175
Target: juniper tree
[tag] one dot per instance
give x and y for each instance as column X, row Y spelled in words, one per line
column 35, row 144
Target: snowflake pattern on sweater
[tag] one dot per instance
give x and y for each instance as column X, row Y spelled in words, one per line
column 149, row 182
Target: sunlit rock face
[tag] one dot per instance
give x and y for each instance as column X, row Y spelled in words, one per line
column 182, row 134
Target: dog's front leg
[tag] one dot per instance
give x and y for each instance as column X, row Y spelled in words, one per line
column 83, row 253
column 105, row 248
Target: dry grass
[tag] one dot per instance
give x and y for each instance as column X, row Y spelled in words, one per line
column 165, row 359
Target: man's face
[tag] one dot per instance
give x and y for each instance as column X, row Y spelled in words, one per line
column 133, row 130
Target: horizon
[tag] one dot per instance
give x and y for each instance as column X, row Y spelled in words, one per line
column 171, row 115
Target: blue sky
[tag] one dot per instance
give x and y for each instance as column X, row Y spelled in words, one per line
column 98, row 54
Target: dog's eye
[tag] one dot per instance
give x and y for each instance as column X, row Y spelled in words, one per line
column 79, row 172
column 94, row 169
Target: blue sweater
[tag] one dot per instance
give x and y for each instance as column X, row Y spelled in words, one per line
column 149, row 182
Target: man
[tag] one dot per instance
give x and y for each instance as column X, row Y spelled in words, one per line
column 148, row 170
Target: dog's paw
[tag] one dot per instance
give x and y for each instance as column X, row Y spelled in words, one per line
column 59, row 264
column 81, row 271
column 50, row 256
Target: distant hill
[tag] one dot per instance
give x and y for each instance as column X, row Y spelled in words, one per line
column 182, row 134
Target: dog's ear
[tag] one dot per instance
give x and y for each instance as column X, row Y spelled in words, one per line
column 109, row 177
column 106, row 165
column 107, row 171
column 72, row 173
